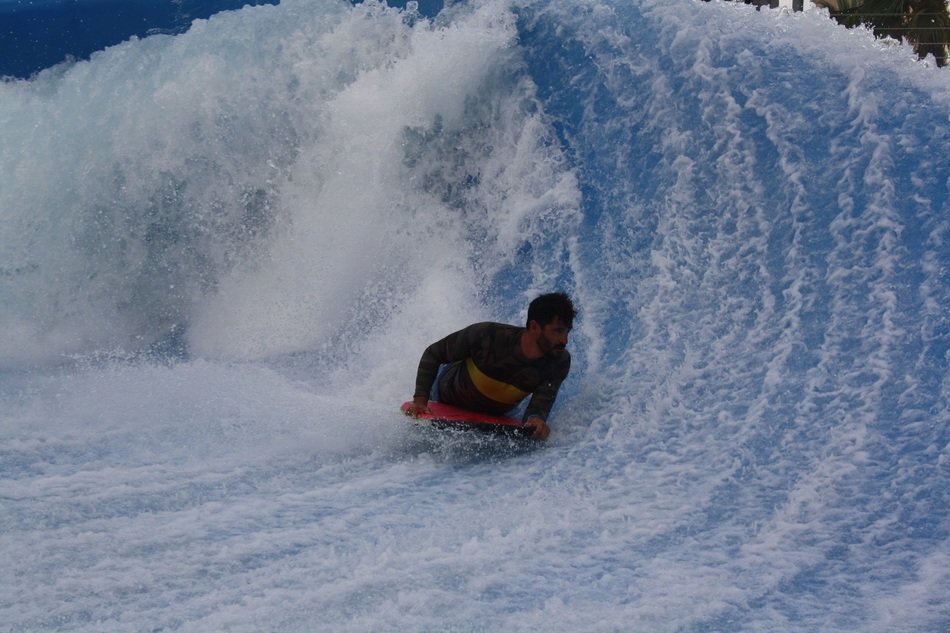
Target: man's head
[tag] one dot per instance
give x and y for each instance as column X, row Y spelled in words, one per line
column 550, row 319
column 554, row 304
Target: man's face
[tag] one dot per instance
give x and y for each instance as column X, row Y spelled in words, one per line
column 553, row 337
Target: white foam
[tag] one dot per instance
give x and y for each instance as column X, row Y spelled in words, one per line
column 753, row 436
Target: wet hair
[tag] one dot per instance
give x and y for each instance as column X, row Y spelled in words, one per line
column 554, row 304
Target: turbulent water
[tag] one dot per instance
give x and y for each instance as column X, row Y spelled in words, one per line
column 223, row 252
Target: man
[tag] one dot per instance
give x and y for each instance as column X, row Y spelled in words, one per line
column 492, row 367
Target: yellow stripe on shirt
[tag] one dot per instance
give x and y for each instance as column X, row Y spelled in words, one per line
column 495, row 389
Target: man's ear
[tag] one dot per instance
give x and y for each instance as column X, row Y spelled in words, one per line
column 534, row 327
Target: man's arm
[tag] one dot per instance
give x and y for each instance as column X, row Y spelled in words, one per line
column 539, row 408
column 453, row 347
column 425, row 376
column 432, row 358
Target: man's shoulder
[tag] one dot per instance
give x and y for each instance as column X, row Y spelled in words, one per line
column 491, row 327
column 491, row 335
column 495, row 324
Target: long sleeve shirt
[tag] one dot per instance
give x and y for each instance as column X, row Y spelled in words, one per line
column 487, row 371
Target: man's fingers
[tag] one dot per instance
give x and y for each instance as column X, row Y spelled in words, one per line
column 539, row 429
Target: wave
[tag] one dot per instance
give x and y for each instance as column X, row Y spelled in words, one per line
column 750, row 209
column 258, row 178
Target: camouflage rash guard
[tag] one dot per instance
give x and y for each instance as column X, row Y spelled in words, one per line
column 487, row 371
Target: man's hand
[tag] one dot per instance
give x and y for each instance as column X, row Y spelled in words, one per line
column 538, row 427
column 420, row 404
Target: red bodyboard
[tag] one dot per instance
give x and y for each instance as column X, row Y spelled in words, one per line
column 446, row 416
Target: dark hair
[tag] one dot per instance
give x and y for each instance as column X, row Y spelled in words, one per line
column 554, row 304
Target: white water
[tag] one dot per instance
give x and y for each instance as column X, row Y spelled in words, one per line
column 225, row 250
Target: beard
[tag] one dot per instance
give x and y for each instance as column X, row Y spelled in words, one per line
column 550, row 348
